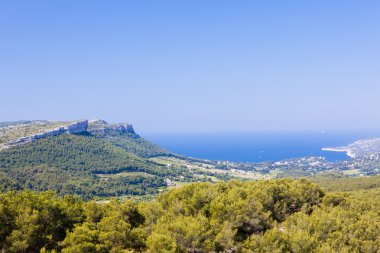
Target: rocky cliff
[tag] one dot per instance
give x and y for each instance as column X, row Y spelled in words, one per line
column 101, row 126
column 77, row 127
column 74, row 128
column 115, row 127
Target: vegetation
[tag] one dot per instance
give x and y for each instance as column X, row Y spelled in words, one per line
column 281, row 215
column 112, row 160
column 70, row 164
column 18, row 129
column 132, row 143
column 86, row 165
column 339, row 182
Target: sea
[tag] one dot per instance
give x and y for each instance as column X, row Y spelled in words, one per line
column 259, row 147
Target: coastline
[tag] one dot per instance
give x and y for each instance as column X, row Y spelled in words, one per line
column 254, row 147
column 342, row 149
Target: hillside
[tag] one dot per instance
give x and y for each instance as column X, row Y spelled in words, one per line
column 339, row 183
column 276, row 216
column 10, row 131
column 124, row 136
column 70, row 163
column 91, row 159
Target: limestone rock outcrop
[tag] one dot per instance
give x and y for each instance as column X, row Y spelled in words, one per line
column 77, row 127
column 74, row 128
column 105, row 128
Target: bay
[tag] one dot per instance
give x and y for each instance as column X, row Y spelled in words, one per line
column 258, row 147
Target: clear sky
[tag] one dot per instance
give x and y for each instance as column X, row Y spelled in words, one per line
column 193, row 66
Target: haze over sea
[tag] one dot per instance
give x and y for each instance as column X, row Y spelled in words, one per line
column 258, row 147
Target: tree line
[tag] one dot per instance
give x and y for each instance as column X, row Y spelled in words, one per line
column 281, row 215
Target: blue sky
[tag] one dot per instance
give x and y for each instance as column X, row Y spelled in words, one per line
column 193, row 66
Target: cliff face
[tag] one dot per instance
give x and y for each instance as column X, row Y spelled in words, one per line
column 74, row 128
column 77, row 127
column 104, row 127
column 94, row 126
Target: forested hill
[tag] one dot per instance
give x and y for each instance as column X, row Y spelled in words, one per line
column 23, row 132
column 124, row 136
column 277, row 216
column 100, row 159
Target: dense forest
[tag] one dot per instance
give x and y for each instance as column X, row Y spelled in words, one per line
column 132, row 143
column 283, row 215
column 71, row 164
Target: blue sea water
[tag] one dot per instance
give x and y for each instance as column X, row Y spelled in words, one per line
column 258, row 147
